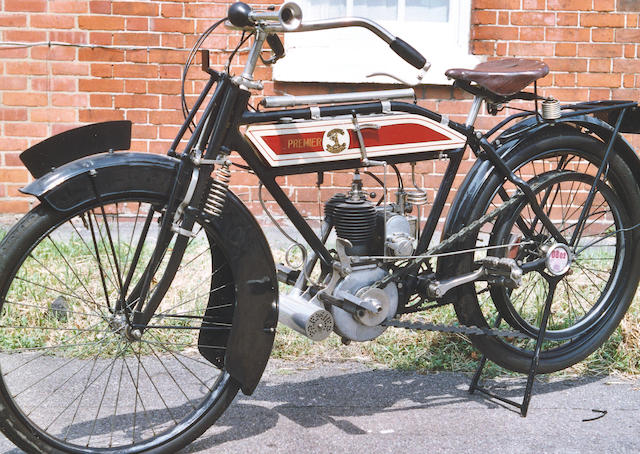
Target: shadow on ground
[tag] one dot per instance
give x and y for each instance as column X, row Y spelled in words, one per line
column 326, row 400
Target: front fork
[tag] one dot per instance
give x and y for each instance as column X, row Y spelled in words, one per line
column 138, row 309
column 191, row 186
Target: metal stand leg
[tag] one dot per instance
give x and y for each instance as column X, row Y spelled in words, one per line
column 524, row 406
column 476, row 377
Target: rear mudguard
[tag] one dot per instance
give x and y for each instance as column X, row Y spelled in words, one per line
column 256, row 314
column 507, row 144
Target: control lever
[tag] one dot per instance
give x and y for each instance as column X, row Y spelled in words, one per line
column 276, row 46
column 204, row 53
column 418, row 80
column 363, row 149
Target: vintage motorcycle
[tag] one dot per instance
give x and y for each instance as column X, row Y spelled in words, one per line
column 140, row 295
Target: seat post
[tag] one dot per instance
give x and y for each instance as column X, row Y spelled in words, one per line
column 473, row 112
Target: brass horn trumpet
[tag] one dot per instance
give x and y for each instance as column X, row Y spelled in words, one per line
column 289, row 16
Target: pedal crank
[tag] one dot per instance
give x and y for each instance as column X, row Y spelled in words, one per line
column 496, row 270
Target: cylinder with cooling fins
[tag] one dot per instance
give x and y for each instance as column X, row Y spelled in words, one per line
column 330, row 206
column 355, row 220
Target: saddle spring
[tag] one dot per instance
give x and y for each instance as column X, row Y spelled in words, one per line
column 418, row 196
column 218, row 187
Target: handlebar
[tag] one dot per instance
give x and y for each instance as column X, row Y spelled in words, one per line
column 289, row 19
column 408, row 53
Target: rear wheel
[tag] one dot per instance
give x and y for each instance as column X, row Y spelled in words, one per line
column 592, row 296
column 75, row 376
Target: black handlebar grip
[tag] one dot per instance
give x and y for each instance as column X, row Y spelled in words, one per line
column 276, row 45
column 408, row 53
column 238, row 14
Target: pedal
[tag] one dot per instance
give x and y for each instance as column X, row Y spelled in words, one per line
column 502, row 270
column 287, row 275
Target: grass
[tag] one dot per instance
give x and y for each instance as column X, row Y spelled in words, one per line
column 58, row 298
column 395, row 348
column 434, row 351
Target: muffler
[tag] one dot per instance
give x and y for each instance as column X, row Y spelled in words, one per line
column 305, row 317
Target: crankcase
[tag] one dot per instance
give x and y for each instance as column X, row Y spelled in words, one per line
column 359, row 283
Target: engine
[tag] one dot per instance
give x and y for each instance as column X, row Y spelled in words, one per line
column 371, row 230
column 372, row 233
column 350, row 304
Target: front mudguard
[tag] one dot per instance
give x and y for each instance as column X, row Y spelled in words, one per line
column 82, row 182
column 508, row 144
column 75, row 144
column 256, row 314
column 85, row 181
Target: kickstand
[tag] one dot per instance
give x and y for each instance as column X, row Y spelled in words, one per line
column 524, row 406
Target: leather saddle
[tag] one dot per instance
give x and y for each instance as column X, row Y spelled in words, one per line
column 504, row 77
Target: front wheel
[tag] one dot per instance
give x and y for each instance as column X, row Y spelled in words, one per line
column 75, row 376
column 594, row 292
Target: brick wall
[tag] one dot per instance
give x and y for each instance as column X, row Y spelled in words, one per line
column 590, row 46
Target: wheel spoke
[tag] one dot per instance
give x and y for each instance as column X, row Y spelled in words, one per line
column 70, row 291
column 69, row 361
column 583, row 296
column 156, row 388
column 173, row 354
column 100, row 267
column 72, row 270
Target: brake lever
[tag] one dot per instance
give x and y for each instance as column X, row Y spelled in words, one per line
column 418, row 81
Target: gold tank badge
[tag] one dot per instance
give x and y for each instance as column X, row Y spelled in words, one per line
column 335, row 140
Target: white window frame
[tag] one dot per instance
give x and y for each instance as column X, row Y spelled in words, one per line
column 348, row 55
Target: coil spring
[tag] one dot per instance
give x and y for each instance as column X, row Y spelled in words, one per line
column 417, row 197
column 550, row 109
column 217, row 194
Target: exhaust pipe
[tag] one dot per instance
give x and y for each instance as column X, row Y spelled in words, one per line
column 304, row 317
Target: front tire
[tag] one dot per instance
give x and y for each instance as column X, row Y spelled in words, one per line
column 73, row 377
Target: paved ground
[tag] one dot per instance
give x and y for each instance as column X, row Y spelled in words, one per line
column 350, row 408
column 340, row 407
column 343, row 407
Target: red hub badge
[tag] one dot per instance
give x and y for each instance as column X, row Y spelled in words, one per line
column 559, row 259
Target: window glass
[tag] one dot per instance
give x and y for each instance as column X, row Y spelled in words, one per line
column 439, row 29
column 323, row 9
column 427, row 10
column 376, row 9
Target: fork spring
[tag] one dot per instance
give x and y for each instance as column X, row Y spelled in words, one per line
column 218, row 188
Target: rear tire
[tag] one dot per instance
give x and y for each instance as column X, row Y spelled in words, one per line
column 571, row 337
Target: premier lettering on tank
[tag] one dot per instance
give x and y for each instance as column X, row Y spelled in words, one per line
column 299, row 144
column 333, row 139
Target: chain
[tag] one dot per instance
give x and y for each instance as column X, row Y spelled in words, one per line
column 462, row 233
column 462, row 329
